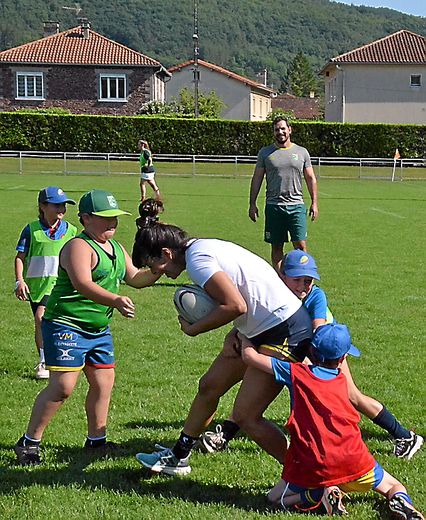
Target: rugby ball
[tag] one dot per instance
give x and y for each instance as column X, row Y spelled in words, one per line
column 193, row 303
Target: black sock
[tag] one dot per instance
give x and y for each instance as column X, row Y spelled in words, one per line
column 388, row 422
column 95, row 443
column 229, row 430
column 26, row 441
column 184, row 445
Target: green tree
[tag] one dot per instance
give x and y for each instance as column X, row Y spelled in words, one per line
column 288, row 114
column 209, row 105
column 301, row 79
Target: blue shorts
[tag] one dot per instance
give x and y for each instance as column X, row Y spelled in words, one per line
column 68, row 349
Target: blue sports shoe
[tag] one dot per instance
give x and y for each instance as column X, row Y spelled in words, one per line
column 164, row 461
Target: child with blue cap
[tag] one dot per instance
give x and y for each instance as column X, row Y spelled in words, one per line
column 76, row 325
column 299, row 272
column 326, row 454
column 37, row 258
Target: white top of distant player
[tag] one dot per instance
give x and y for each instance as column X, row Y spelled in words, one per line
column 269, row 301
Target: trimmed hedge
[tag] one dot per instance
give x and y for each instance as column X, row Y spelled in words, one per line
column 119, row 134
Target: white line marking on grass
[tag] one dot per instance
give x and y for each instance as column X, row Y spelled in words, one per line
column 16, row 187
column 324, row 193
column 387, row 213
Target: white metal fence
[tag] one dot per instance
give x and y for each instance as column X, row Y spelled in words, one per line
column 84, row 163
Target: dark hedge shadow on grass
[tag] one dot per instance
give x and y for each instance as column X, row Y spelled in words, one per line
column 84, row 471
column 128, row 481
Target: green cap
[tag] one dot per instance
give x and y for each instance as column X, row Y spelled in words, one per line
column 100, row 203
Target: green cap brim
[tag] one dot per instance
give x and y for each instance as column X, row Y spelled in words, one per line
column 110, row 213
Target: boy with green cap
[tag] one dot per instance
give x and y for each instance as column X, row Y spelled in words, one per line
column 75, row 326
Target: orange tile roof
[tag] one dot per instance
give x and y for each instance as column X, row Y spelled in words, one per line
column 71, row 48
column 397, row 48
column 302, row 107
column 223, row 71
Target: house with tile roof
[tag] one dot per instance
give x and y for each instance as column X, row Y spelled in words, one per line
column 381, row 82
column 302, row 107
column 244, row 98
column 79, row 70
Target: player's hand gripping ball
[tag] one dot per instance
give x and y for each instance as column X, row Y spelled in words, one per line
column 193, row 303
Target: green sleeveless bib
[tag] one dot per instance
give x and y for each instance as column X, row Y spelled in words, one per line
column 67, row 306
column 41, row 262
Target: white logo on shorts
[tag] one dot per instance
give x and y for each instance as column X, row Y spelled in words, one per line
column 65, row 356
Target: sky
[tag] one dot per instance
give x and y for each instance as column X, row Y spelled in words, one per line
column 416, row 7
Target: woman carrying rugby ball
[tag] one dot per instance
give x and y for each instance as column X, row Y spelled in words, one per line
column 249, row 294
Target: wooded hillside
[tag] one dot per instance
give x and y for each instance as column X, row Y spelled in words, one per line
column 245, row 36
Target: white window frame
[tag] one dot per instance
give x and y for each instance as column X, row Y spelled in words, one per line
column 27, row 75
column 110, row 76
column 411, row 80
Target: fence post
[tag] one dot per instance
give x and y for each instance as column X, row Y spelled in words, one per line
column 193, row 165
column 109, row 165
column 236, row 166
column 20, row 164
column 65, row 163
column 360, row 168
column 319, row 168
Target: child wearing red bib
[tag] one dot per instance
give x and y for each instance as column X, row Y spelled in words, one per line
column 326, row 454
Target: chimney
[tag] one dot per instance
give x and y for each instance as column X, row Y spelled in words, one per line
column 50, row 28
column 85, row 26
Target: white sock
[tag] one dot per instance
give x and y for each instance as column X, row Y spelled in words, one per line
column 42, row 360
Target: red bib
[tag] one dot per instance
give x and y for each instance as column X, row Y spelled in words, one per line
column 326, row 446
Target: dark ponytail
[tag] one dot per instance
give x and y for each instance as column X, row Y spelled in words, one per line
column 152, row 236
column 149, row 210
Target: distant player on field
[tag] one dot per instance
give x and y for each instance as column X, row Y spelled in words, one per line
column 284, row 164
column 326, row 452
column 147, row 170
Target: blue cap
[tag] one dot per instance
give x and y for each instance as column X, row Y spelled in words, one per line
column 332, row 341
column 54, row 195
column 297, row 263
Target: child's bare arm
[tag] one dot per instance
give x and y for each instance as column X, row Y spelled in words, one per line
column 21, row 290
column 252, row 358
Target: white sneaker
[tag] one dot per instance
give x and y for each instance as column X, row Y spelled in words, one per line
column 212, row 442
column 332, row 501
column 406, row 448
column 41, row 372
column 164, row 461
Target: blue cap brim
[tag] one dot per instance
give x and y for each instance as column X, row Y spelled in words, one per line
column 296, row 273
column 353, row 351
column 60, row 201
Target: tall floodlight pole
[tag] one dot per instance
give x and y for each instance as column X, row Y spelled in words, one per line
column 196, row 53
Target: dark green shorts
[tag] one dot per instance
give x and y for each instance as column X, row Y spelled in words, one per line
column 284, row 221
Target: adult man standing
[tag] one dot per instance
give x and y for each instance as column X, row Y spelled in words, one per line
column 284, row 163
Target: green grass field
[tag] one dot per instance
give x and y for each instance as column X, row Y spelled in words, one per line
column 186, row 168
column 370, row 245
